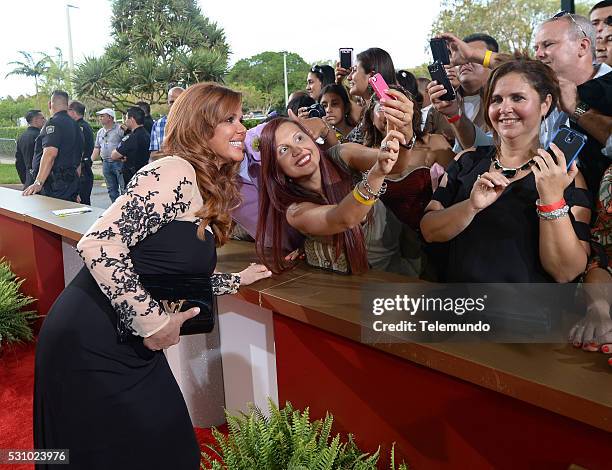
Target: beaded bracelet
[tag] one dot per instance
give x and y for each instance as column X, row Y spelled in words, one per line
column 554, row 214
column 368, row 188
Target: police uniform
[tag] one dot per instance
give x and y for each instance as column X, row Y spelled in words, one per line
column 63, row 133
column 86, row 179
column 135, row 148
column 24, row 155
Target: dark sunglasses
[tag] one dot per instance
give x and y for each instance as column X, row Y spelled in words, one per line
column 608, row 21
column 563, row 13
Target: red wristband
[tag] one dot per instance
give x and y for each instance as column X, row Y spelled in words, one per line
column 550, row 207
column 454, row 118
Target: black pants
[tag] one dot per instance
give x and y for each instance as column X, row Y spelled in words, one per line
column 62, row 184
column 86, row 182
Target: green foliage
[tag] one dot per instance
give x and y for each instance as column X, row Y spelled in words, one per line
column 510, row 22
column 30, row 67
column 420, row 71
column 156, row 44
column 14, row 320
column 57, row 75
column 264, row 72
column 286, row 440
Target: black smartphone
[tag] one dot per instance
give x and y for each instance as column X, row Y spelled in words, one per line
column 439, row 50
column 570, row 142
column 438, row 73
column 346, row 57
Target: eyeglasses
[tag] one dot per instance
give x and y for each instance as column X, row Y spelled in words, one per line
column 608, row 20
column 563, row 13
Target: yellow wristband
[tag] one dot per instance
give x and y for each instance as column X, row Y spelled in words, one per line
column 487, row 59
column 362, row 200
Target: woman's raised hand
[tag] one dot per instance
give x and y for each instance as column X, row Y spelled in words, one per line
column 388, row 153
column 487, row 189
column 253, row 273
column 551, row 177
column 341, row 73
column 399, row 112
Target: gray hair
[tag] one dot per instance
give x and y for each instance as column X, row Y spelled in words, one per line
column 579, row 27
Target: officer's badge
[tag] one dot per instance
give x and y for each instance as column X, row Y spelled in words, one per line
column 50, row 129
column 125, row 138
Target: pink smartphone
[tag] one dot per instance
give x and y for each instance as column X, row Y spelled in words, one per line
column 380, row 87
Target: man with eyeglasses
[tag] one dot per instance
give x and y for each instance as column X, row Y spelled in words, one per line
column 107, row 140
column 601, row 17
column 566, row 43
column 158, row 130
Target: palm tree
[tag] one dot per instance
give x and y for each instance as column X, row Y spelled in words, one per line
column 30, row 67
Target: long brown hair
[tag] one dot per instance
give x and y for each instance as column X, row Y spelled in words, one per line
column 372, row 137
column 191, row 123
column 278, row 192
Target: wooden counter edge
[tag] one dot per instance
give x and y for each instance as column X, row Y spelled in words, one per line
column 540, row 395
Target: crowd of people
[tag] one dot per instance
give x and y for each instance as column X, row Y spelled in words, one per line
column 468, row 189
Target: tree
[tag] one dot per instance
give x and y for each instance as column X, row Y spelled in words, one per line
column 156, row 44
column 510, row 22
column 265, row 73
column 57, row 76
column 30, row 67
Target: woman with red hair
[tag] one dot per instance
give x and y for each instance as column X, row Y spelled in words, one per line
column 347, row 228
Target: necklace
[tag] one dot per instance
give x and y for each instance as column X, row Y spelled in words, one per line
column 511, row 172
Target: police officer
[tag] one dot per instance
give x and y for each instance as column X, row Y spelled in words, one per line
column 25, row 146
column 134, row 147
column 57, row 153
column 76, row 110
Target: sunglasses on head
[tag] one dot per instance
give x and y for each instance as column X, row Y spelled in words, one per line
column 563, row 13
column 316, row 69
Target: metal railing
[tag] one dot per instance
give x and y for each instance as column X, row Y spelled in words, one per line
column 7, row 148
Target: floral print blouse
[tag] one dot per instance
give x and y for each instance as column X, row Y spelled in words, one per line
column 161, row 192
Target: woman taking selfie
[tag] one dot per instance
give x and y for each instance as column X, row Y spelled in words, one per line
column 103, row 387
column 409, row 186
column 512, row 212
column 369, row 62
column 347, row 228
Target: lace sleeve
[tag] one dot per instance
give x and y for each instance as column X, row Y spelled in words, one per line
column 158, row 194
column 225, row 283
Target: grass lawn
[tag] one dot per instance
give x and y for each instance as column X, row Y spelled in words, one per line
column 8, row 174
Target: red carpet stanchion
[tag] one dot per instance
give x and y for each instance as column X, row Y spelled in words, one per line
column 16, row 394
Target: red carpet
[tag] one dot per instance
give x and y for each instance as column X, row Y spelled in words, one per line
column 16, row 390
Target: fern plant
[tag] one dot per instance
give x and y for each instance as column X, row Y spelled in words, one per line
column 286, row 440
column 14, row 320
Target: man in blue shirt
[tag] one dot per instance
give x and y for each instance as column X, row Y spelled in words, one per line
column 157, row 133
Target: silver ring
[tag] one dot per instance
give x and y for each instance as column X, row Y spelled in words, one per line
column 478, row 177
column 384, row 147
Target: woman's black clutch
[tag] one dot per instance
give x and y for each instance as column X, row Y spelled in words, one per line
column 180, row 292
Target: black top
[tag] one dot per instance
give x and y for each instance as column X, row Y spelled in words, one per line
column 501, row 244
column 63, row 133
column 88, row 140
column 135, row 147
column 148, row 123
column 597, row 93
column 25, row 148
